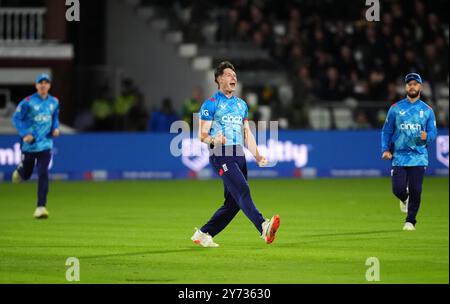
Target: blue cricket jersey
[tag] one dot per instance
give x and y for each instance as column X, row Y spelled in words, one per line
column 401, row 132
column 228, row 116
column 38, row 117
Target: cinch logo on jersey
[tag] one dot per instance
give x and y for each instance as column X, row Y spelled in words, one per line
column 234, row 119
column 409, row 126
column 42, row 118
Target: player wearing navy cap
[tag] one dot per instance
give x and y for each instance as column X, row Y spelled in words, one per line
column 409, row 128
column 224, row 127
column 36, row 120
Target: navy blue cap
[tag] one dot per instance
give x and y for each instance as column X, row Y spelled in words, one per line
column 413, row 76
column 42, row 77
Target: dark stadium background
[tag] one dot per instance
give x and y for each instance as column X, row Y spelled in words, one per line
column 129, row 68
column 137, row 66
column 294, row 58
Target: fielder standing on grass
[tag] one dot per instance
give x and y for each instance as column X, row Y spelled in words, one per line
column 224, row 128
column 36, row 120
column 409, row 128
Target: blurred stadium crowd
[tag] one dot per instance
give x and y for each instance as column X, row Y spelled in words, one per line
column 330, row 52
column 338, row 66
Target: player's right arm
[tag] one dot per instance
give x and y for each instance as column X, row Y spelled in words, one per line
column 386, row 134
column 206, row 120
column 18, row 122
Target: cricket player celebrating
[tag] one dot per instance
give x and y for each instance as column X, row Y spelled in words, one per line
column 409, row 128
column 36, row 120
column 224, row 128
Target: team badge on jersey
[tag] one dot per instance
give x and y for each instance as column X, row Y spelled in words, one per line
column 421, row 113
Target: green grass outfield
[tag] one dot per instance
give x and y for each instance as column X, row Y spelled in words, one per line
column 139, row 232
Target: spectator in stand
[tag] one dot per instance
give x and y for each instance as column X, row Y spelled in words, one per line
column 361, row 121
column 331, row 86
column 297, row 59
column 302, row 98
column 161, row 120
column 342, row 57
column 228, row 26
column 192, row 105
column 124, row 102
column 102, row 110
column 138, row 115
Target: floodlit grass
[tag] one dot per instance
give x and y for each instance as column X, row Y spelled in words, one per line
column 139, row 232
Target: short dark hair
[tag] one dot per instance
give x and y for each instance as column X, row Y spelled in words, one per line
column 221, row 67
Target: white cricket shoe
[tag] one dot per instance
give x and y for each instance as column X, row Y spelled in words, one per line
column 41, row 213
column 269, row 228
column 409, row 227
column 404, row 205
column 203, row 239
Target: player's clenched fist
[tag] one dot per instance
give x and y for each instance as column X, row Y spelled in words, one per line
column 220, row 140
column 28, row 138
column 423, row 135
column 261, row 160
column 387, row 155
